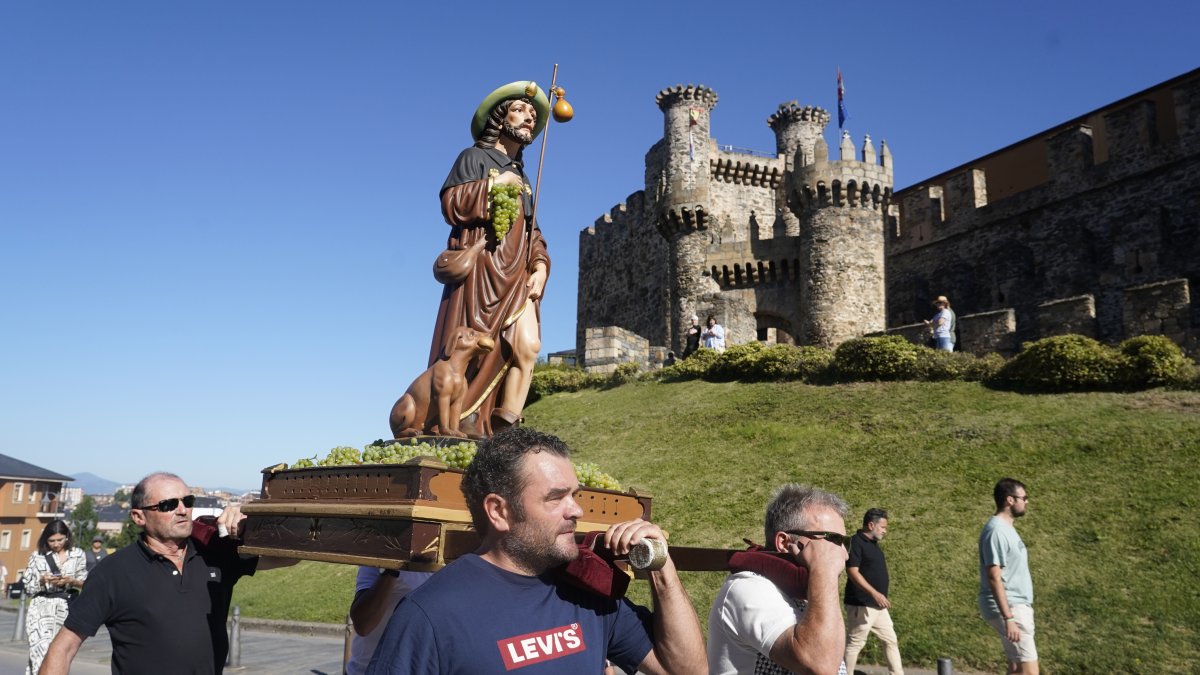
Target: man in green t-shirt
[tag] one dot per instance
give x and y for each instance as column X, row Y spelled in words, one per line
column 1005, row 586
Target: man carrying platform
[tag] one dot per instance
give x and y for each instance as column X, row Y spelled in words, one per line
column 786, row 620
column 513, row 605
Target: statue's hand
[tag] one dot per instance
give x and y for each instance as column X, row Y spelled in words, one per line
column 509, row 178
column 537, row 283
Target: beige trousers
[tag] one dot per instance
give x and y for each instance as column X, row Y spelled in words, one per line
column 860, row 623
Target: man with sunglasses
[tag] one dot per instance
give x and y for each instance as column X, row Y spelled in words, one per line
column 756, row 626
column 867, row 602
column 165, row 597
column 1005, row 585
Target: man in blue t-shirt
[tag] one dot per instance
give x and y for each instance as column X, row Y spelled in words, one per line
column 1005, row 585
column 504, row 607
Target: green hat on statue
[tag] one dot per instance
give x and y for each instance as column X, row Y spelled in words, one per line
column 523, row 89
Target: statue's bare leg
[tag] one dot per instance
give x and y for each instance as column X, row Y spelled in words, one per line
column 527, row 343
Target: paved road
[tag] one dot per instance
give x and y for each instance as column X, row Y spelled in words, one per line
column 265, row 653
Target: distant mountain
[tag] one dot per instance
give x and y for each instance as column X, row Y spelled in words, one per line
column 93, row 484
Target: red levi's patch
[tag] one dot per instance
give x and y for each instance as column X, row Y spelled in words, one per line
column 546, row 645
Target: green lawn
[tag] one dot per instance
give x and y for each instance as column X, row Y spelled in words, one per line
column 1111, row 530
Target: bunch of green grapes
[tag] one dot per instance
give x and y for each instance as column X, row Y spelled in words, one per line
column 590, row 475
column 457, row 455
column 506, row 204
column 341, row 456
column 304, row 462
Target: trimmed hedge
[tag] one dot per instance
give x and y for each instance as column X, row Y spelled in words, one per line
column 889, row 357
column 1063, row 363
column 1155, row 360
column 1055, row 364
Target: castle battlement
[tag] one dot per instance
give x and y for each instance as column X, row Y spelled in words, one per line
column 686, row 94
column 745, row 169
column 841, row 183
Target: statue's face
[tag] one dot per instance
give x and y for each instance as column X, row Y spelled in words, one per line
column 520, row 121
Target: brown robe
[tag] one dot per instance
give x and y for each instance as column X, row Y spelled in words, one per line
column 492, row 297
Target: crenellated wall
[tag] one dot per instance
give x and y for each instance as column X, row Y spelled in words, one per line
column 1091, row 227
column 623, row 274
column 1117, row 209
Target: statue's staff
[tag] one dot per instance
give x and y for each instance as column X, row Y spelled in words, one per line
column 563, row 112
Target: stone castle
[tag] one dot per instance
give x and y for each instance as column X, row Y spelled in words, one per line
column 1091, row 227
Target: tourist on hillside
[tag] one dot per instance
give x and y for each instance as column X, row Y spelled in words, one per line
column 376, row 594
column 942, row 325
column 1005, row 585
column 165, row 597
column 714, row 335
column 866, row 597
column 764, row 618
column 514, row 603
column 953, row 321
column 693, row 337
column 54, row 575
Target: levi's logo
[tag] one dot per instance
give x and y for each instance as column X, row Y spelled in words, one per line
column 547, row 645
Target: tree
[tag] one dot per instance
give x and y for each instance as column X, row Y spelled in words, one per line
column 128, row 534
column 121, row 497
column 83, row 521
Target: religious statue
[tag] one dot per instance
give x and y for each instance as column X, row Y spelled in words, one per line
column 494, row 269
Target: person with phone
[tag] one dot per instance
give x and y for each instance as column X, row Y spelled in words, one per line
column 54, row 575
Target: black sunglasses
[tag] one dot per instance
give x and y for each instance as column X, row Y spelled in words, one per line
column 168, row 505
column 834, row 537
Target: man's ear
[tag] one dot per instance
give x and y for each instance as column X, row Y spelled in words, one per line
column 780, row 542
column 137, row 517
column 498, row 512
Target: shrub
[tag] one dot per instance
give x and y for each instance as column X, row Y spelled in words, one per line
column 691, row 368
column 889, row 357
column 983, row 368
column 625, row 372
column 551, row 379
column 1154, row 360
column 1063, row 363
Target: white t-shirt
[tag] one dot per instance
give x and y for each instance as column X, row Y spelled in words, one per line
column 748, row 616
column 362, row 647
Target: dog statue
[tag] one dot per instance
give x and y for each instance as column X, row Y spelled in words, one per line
column 434, row 401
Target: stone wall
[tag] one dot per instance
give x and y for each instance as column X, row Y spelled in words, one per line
column 1102, row 222
column 608, row 346
column 1163, row 308
column 623, row 274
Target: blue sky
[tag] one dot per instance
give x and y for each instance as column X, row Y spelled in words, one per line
column 217, row 219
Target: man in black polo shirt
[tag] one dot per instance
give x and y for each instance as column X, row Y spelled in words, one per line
column 164, row 598
column 866, row 594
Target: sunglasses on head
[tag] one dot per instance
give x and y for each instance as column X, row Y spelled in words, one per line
column 833, row 537
column 168, row 505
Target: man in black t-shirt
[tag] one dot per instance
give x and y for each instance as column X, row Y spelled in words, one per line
column 164, row 597
column 866, row 594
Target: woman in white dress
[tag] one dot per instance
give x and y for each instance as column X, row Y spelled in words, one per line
column 55, row 573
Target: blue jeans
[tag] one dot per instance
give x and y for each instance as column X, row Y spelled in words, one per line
column 945, row 344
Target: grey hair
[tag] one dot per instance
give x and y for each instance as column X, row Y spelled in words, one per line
column 790, row 506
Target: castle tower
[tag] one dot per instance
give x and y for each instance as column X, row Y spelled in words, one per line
column 679, row 182
column 797, row 131
column 840, row 205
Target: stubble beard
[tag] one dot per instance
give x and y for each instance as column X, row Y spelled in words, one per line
column 533, row 551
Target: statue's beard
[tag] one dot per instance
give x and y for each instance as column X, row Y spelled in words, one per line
column 522, row 136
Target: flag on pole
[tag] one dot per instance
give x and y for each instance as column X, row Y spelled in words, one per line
column 842, row 116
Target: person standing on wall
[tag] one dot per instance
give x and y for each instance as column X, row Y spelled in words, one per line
column 942, row 325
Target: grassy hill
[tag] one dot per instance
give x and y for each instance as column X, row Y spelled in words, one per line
column 1112, row 534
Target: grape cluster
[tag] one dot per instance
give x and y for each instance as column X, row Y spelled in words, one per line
column 458, row 455
column 506, row 205
column 341, row 456
column 590, row 475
